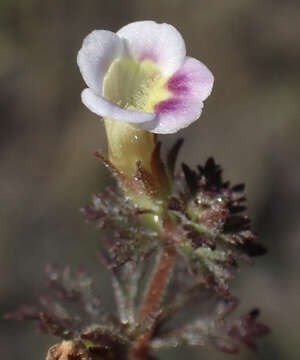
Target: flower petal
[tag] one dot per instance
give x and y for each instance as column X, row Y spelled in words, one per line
column 192, row 79
column 102, row 107
column 189, row 87
column 99, row 49
column 173, row 115
column 161, row 43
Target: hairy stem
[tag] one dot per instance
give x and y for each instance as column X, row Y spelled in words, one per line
column 156, row 288
column 158, row 283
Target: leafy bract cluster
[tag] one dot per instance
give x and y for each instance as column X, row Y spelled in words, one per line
column 71, row 312
column 217, row 233
column 198, row 219
column 210, row 230
column 126, row 238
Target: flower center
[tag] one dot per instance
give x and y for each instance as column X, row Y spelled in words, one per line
column 135, row 85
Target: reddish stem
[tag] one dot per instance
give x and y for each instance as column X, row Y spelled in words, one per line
column 158, row 283
column 156, row 289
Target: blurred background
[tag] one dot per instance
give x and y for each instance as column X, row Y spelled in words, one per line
column 250, row 125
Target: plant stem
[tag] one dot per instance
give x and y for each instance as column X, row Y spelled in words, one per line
column 156, row 288
column 158, row 283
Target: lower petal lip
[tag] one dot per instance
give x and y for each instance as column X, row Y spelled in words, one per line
column 105, row 108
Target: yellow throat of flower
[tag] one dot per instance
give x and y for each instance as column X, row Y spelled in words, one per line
column 136, row 86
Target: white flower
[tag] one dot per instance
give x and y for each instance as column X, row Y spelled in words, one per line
column 141, row 75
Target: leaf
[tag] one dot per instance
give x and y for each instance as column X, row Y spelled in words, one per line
column 172, row 156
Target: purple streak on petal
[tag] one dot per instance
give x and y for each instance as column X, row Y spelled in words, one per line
column 193, row 79
column 179, row 83
column 168, row 105
column 188, row 88
column 148, row 55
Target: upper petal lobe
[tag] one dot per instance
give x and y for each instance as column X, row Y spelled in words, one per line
column 99, row 49
column 161, row 43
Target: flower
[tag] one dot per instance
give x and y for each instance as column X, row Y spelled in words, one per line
column 142, row 76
